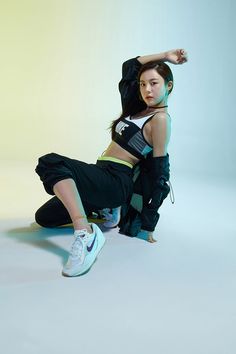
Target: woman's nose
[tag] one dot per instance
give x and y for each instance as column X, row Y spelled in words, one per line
column 148, row 88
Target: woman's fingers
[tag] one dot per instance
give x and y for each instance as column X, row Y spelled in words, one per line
column 182, row 56
column 177, row 56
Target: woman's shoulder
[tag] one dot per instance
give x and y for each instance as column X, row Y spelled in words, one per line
column 161, row 116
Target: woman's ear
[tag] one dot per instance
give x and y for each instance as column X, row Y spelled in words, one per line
column 169, row 86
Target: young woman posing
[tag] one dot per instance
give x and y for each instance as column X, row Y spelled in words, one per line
column 81, row 188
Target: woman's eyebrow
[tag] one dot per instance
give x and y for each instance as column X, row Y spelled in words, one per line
column 148, row 80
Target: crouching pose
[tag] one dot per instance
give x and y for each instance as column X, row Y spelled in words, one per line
column 140, row 134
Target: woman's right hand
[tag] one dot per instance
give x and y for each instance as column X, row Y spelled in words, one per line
column 176, row 56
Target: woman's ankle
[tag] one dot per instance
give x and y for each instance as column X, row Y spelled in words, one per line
column 80, row 223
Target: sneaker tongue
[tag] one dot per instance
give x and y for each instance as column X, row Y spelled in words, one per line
column 80, row 233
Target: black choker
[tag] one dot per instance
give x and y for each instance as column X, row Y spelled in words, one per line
column 158, row 107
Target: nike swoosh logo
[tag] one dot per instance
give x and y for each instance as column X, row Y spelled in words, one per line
column 89, row 248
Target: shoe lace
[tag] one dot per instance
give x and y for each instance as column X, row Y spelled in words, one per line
column 78, row 244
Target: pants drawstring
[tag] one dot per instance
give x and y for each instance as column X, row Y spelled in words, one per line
column 172, row 197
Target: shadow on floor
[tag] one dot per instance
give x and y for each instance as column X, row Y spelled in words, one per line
column 38, row 236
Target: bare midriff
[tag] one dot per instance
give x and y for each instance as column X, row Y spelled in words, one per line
column 115, row 150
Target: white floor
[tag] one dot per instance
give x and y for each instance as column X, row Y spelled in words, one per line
column 174, row 296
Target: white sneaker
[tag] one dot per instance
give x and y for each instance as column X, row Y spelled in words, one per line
column 112, row 217
column 84, row 251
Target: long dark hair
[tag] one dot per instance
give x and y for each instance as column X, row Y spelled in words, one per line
column 137, row 105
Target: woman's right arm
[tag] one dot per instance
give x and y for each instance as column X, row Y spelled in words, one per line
column 128, row 86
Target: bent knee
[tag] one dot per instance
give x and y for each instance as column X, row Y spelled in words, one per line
column 41, row 219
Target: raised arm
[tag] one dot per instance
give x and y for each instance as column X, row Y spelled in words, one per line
column 174, row 56
column 128, row 86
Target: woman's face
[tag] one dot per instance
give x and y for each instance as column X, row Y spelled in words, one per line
column 153, row 88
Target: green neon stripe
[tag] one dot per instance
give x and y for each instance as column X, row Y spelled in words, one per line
column 114, row 159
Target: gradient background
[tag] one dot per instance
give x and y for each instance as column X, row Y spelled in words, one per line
column 61, row 63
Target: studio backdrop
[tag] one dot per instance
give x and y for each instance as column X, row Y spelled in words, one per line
column 61, row 63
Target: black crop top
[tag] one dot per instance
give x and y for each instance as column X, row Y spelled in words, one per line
column 129, row 135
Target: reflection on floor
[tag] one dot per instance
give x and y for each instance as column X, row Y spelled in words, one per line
column 173, row 296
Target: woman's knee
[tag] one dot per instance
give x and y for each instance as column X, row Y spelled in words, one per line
column 51, row 169
column 52, row 214
column 41, row 219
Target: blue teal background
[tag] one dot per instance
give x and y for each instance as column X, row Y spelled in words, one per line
column 61, row 63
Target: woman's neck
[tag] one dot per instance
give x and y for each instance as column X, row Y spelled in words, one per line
column 162, row 108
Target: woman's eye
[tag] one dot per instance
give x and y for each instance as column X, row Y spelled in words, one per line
column 154, row 83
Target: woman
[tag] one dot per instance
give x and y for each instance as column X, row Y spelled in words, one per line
column 80, row 188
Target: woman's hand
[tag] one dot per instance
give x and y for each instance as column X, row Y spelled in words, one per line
column 150, row 238
column 176, row 56
column 146, row 235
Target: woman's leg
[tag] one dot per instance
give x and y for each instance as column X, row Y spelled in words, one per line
column 68, row 194
column 88, row 240
column 52, row 214
column 80, row 188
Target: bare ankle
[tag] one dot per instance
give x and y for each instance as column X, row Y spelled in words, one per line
column 82, row 223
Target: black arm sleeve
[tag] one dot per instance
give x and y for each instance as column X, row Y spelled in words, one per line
column 156, row 191
column 129, row 88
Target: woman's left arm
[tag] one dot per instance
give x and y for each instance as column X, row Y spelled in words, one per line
column 159, row 164
column 160, row 133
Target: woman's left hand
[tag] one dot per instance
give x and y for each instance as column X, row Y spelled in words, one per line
column 176, row 56
column 150, row 238
column 146, row 235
